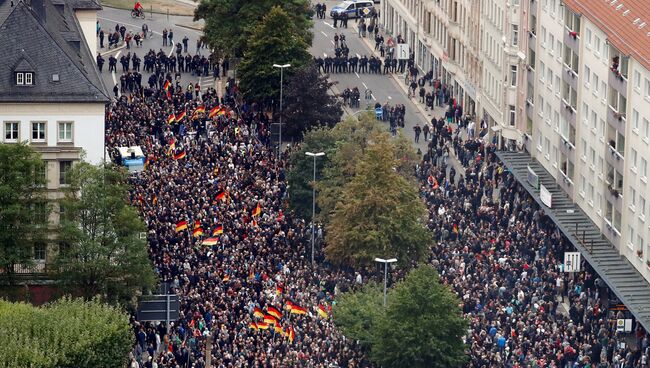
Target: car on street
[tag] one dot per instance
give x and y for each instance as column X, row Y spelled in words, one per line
column 350, row 7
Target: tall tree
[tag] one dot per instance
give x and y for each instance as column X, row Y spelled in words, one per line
column 308, row 103
column 379, row 212
column 104, row 254
column 275, row 40
column 356, row 313
column 24, row 209
column 67, row 333
column 422, row 325
column 230, row 23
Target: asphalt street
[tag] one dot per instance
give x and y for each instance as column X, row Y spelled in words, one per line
column 109, row 17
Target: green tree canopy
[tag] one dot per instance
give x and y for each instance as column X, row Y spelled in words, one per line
column 378, row 214
column 24, row 210
column 422, row 325
column 230, row 23
column 275, row 40
column 104, row 254
column 67, row 333
column 308, row 103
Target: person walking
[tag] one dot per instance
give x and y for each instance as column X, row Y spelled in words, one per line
column 164, row 37
column 100, row 62
column 170, row 35
column 417, row 129
column 425, row 130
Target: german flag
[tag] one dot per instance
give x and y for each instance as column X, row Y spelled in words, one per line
column 146, row 164
column 291, row 334
column 257, row 211
column 213, row 112
column 223, row 111
column 279, row 289
column 166, row 85
column 200, row 110
column 197, row 224
column 226, row 278
column 181, row 116
column 257, row 312
column 171, row 119
column 217, row 230
column 454, row 229
column 180, row 155
column 254, row 223
column 321, row 311
column 172, row 146
column 288, row 305
column 262, row 326
column 274, row 312
column 221, row 196
column 296, row 309
column 253, row 325
column 180, row 226
column 270, row 319
column 279, row 330
column 210, row 241
column 197, row 232
column 154, row 200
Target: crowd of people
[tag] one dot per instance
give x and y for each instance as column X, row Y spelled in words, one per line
column 213, row 197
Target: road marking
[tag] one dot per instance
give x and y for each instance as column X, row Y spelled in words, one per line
column 331, row 26
column 324, row 54
column 171, row 51
column 128, row 24
column 324, row 34
column 358, row 56
column 390, row 98
column 364, row 85
column 332, row 42
column 357, row 75
column 373, row 97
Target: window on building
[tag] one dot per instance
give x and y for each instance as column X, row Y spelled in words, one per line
column 64, row 171
column 632, row 196
column 646, row 128
column 588, row 38
column 587, row 75
column 597, row 44
column 513, row 115
column 643, row 167
column 11, row 131
column 635, row 119
column 513, row 75
column 514, row 32
column 637, row 80
column 633, row 158
column 65, row 132
column 571, row 21
column 38, row 131
column 647, row 88
column 40, row 250
column 24, row 78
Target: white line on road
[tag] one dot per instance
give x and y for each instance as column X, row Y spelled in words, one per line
column 128, row 24
column 331, row 26
column 171, row 51
column 358, row 56
column 324, row 34
column 364, row 85
column 332, row 42
column 373, row 97
column 357, row 74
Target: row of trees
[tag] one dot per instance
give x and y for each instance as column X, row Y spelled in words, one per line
column 370, row 206
column 265, row 32
column 100, row 251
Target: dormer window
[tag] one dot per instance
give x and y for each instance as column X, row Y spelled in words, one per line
column 24, row 78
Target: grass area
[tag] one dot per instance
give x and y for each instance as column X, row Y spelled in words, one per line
column 158, row 6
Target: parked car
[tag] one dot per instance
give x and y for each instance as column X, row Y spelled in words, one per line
column 350, row 7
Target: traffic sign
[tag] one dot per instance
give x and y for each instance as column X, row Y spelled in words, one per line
column 572, row 261
column 403, row 51
column 154, row 308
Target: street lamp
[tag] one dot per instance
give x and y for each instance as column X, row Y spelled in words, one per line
column 385, row 262
column 313, row 201
column 281, row 82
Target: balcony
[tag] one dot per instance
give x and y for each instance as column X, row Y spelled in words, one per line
column 617, row 76
column 532, row 40
column 530, row 75
column 571, row 40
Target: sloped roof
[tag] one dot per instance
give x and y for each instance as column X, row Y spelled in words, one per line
column 40, row 34
column 626, row 23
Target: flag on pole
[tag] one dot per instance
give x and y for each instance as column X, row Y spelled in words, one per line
column 257, row 211
column 270, row 319
column 279, row 289
column 217, row 230
column 171, row 119
column 180, row 155
column 262, row 326
column 253, row 325
column 292, row 334
column 274, row 312
column 197, row 232
column 321, row 311
column 180, row 226
column 221, row 195
column 226, row 278
column 214, row 111
column 166, row 85
column 181, row 116
column 257, row 312
column 200, row 110
column 210, row 241
column 296, row 309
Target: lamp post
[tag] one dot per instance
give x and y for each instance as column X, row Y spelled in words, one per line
column 313, row 201
column 385, row 262
column 281, row 83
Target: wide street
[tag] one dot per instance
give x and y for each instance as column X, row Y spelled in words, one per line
column 109, row 17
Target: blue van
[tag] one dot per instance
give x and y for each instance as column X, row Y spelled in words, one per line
column 350, row 7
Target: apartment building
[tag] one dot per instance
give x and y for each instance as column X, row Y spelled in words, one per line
column 51, row 95
column 588, row 111
column 444, row 35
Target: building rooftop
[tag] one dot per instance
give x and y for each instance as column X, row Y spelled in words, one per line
column 626, row 23
column 44, row 37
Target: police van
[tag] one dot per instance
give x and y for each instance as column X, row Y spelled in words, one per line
column 350, row 8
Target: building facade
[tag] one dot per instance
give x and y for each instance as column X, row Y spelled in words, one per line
column 51, row 95
column 588, row 102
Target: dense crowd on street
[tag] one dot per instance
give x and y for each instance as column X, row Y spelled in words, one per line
column 213, row 197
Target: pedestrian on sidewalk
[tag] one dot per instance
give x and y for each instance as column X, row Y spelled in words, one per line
column 101, row 39
column 425, row 130
column 100, row 62
column 335, row 17
column 417, row 131
column 170, row 35
column 164, row 37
